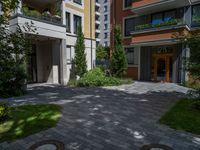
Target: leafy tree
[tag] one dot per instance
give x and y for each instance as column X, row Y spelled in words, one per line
column 14, row 47
column 118, row 59
column 193, row 62
column 80, row 56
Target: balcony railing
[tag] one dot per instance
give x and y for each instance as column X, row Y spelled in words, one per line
column 157, row 25
column 195, row 21
column 46, row 16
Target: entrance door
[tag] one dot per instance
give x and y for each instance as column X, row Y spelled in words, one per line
column 162, row 67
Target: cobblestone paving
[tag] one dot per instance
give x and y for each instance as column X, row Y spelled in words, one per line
column 111, row 118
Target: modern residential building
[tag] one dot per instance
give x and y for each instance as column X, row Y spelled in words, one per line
column 57, row 22
column 103, row 22
column 149, row 27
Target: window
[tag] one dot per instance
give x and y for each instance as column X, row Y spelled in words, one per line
column 105, row 17
column 164, row 16
column 127, row 3
column 105, row 8
column 77, row 23
column 196, row 15
column 69, row 54
column 169, row 15
column 157, row 18
column 68, row 22
column 128, row 26
column 130, row 55
column 105, row 26
column 106, row 44
column 78, row 2
column 105, row 35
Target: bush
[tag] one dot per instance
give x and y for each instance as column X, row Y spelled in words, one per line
column 196, row 104
column 97, row 77
column 4, row 111
column 12, row 81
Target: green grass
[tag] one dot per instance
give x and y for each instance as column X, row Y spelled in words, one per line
column 183, row 116
column 27, row 120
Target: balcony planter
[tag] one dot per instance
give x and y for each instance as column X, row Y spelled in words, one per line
column 165, row 23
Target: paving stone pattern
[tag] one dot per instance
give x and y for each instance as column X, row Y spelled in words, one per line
column 110, row 118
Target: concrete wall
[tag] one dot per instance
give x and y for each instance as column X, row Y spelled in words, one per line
column 70, row 54
column 48, row 61
column 44, row 61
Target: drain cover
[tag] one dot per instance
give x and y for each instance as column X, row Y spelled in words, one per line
column 156, row 147
column 48, row 145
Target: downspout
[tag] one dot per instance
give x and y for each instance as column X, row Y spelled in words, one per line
column 91, row 34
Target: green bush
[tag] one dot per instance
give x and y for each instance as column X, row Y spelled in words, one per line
column 12, row 81
column 97, row 77
column 4, row 111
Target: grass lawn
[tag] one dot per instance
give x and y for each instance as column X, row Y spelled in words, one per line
column 183, row 116
column 27, row 120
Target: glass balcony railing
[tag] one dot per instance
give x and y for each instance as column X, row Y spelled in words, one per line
column 157, row 25
column 195, row 21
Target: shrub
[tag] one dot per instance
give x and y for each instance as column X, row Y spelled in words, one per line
column 4, row 111
column 97, row 77
column 196, row 104
column 12, row 81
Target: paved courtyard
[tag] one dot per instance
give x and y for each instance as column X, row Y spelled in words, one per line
column 110, row 118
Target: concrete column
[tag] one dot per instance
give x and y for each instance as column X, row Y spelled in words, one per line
column 19, row 8
column 63, row 63
column 63, row 15
column 139, row 63
column 183, row 57
column 55, row 61
column 187, row 56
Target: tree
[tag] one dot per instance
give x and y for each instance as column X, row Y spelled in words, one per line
column 118, row 59
column 14, row 49
column 102, row 52
column 193, row 62
column 80, row 56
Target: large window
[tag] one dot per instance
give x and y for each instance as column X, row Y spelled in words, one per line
column 196, row 15
column 78, row 2
column 130, row 55
column 164, row 16
column 77, row 23
column 68, row 22
column 127, row 3
column 128, row 26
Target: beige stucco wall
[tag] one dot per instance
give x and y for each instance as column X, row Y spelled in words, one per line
column 89, row 23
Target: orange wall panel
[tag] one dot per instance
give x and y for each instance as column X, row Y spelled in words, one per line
column 153, row 36
column 140, row 3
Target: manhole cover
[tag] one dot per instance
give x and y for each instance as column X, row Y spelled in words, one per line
column 156, row 147
column 48, row 145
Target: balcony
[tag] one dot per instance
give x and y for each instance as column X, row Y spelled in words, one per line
column 45, row 16
column 152, row 6
column 170, row 24
column 47, row 11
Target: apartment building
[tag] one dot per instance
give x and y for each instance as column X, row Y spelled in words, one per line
column 57, row 22
column 149, row 26
column 103, row 22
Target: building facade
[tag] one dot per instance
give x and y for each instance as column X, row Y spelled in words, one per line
column 103, row 22
column 57, row 22
column 148, row 27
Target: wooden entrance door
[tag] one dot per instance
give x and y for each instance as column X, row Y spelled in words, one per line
column 161, row 68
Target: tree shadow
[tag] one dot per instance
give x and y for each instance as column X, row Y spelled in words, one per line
column 27, row 120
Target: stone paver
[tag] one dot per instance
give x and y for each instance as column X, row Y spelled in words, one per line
column 110, row 118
